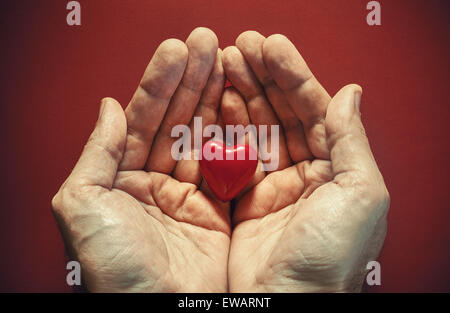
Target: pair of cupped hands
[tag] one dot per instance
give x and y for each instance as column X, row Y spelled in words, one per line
column 137, row 220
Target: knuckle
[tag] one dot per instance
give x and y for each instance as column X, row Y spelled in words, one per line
column 376, row 196
column 56, row 202
column 368, row 190
column 354, row 181
column 377, row 193
column 362, row 132
column 67, row 195
column 230, row 107
column 384, row 199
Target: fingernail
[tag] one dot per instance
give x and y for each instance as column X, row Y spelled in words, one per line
column 357, row 100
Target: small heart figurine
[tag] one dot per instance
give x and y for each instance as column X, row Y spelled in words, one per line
column 228, row 175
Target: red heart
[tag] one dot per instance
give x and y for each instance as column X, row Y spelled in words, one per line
column 227, row 177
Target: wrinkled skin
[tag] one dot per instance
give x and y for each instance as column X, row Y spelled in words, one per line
column 314, row 223
column 149, row 226
column 137, row 220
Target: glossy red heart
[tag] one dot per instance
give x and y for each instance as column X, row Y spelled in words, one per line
column 229, row 175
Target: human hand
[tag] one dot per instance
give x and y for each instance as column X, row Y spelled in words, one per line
column 134, row 218
column 314, row 223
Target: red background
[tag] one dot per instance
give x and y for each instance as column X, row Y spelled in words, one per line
column 52, row 77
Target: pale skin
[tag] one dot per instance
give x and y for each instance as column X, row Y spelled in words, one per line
column 137, row 220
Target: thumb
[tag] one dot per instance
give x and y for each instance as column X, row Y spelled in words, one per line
column 101, row 156
column 351, row 157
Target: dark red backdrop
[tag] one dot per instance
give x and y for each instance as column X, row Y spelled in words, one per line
column 53, row 77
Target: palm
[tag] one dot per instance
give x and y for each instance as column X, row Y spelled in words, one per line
column 271, row 245
column 147, row 249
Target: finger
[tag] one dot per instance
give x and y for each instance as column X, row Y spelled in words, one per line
column 351, row 158
column 188, row 170
column 209, row 104
column 234, row 112
column 182, row 202
column 99, row 161
column 233, row 109
column 259, row 109
column 202, row 45
column 149, row 103
column 281, row 189
column 307, row 98
column 250, row 43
